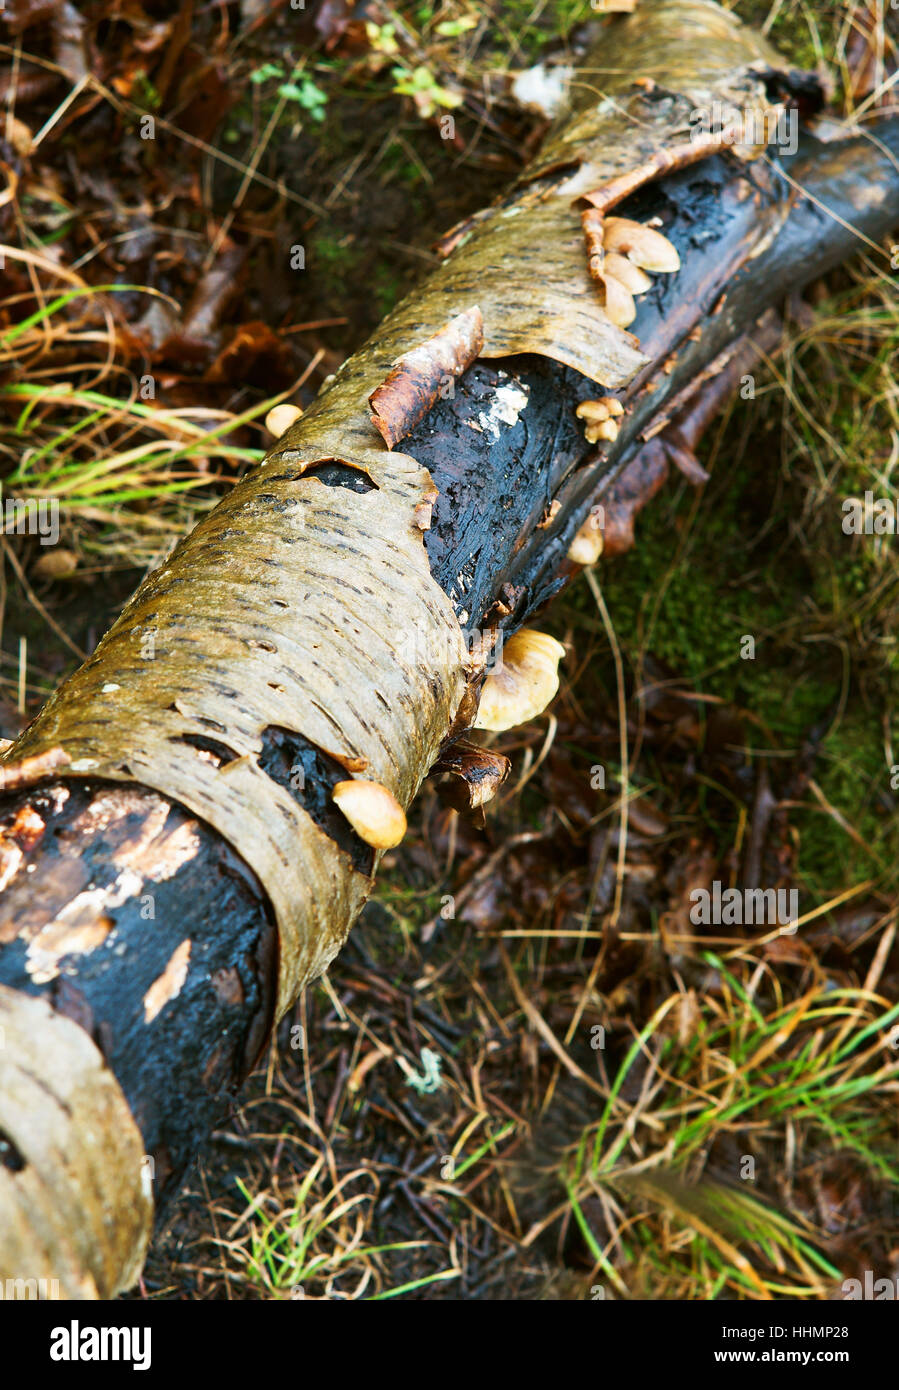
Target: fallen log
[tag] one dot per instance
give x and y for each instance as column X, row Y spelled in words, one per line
column 174, row 865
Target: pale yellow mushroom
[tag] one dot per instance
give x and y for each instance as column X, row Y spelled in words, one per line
column 56, row 563
column 618, row 302
column 593, row 411
column 523, row 684
column 612, row 405
column 373, row 812
column 625, row 271
column 280, row 418
column 606, row 430
column 586, row 547
column 640, row 244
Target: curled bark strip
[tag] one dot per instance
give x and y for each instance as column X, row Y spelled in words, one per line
column 415, row 382
column 683, row 458
column 591, row 221
column 19, row 774
column 475, row 775
column 75, row 1210
column 675, row 442
column 699, row 70
column 628, row 495
column 678, row 156
column 550, row 306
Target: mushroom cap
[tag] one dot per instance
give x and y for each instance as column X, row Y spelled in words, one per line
column 602, row 429
column 587, row 545
column 593, row 411
column 642, row 245
column 626, row 271
column 280, row 418
column 523, row 684
column 373, row 812
column 618, row 303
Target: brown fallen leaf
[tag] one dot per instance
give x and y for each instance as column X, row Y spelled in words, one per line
column 69, row 30
column 414, row 383
column 646, row 818
column 253, row 354
column 214, row 292
column 21, row 14
column 638, row 482
column 868, row 66
column 476, row 775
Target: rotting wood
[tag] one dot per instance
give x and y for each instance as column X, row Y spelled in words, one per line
column 267, row 658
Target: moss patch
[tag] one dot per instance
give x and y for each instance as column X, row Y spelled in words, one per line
column 753, row 592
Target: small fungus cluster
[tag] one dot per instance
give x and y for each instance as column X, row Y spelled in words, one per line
column 621, row 252
column 602, row 418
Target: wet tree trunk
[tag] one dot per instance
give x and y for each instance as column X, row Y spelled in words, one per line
column 168, row 891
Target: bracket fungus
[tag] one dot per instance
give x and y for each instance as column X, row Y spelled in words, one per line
column 373, row 812
column 617, row 300
column 647, row 248
column 280, row 418
column 523, row 684
column 627, row 273
column 619, row 253
column 587, row 545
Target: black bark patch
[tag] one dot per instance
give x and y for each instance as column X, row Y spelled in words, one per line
column 206, row 745
column 207, row 1039
column 336, row 474
column 9, row 1155
column 493, row 490
column 310, row 775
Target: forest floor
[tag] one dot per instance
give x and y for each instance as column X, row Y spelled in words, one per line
column 529, row 1074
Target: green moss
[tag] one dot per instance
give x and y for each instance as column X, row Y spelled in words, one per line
column 854, row 778
column 331, row 258
column 388, row 287
column 762, row 554
column 717, row 607
column 527, row 28
column 792, row 32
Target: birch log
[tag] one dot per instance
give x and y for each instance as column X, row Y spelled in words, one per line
column 173, row 864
